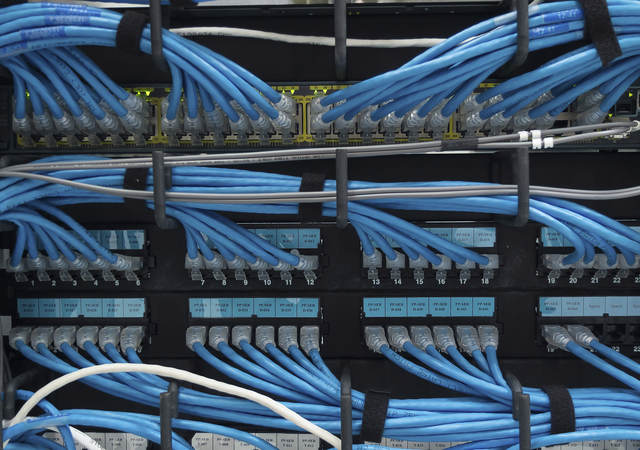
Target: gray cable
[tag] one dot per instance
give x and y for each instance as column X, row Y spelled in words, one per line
column 354, row 194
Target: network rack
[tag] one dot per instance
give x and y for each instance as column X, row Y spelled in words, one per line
column 386, row 291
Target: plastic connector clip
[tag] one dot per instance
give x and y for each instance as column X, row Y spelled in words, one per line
column 64, row 335
column 375, row 338
column 87, row 334
column 42, row 335
column 265, row 335
column 195, row 335
column 109, row 335
column 310, row 338
column 421, row 336
column 131, row 337
column 287, row 337
column 398, row 336
column 468, row 338
column 444, row 337
column 582, row 335
column 19, row 334
column 489, row 336
column 218, row 335
column 240, row 333
column 556, row 336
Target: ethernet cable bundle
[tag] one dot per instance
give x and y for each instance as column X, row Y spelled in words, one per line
column 293, row 370
column 427, row 90
column 69, row 95
column 199, row 193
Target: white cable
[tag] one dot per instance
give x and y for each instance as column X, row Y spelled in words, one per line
column 85, row 440
column 308, row 40
column 81, row 438
column 182, row 375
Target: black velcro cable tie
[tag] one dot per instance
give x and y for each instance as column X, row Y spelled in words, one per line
column 599, row 29
column 135, row 179
column 311, row 182
column 130, row 31
column 374, row 415
column 563, row 417
column 460, row 144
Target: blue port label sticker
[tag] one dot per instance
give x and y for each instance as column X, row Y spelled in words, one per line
column 614, row 306
column 284, row 238
column 428, row 306
column 119, row 239
column 265, row 307
column 63, row 308
column 552, row 238
column 472, row 237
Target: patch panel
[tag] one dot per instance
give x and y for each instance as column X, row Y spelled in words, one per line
column 613, row 268
column 289, row 441
column 615, row 320
column 109, row 441
column 400, row 269
column 599, row 445
column 304, row 127
column 129, row 267
column 304, row 243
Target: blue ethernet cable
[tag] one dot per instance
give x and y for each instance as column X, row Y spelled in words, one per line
column 292, row 380
column 472, row 45
column 603, row 366
column 43, row 66
column 40, row 441
column 188, row 402
column 594, row 227
column 76, row 227
column 249, row 366
column 481, row 361
column 218, row 68
column 302, row 373
column 431, row 436
column 57, row 233
column 465, row 365
column 35, row 86
column 130, row 425
column 48, row 408
column 494, row 366
column 248, row 379
column 424, row 373
column 226, row 402
column 88, row 96
column 615, row 356
column 19, row 90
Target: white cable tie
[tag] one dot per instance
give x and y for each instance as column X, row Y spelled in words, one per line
column 548, row 142
column 536, row 139
column 524, row 136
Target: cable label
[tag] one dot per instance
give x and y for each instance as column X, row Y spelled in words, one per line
column 43, row 33
column 562, row 16
column 549, row 30
column 13, row 49
column 67, row 20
